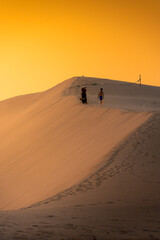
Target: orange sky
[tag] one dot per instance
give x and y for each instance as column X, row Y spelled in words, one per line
column 43, row 42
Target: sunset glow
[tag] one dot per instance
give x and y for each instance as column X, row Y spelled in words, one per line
column 43, row 43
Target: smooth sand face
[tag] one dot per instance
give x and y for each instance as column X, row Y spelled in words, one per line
column 89, row 171
column 49, row 142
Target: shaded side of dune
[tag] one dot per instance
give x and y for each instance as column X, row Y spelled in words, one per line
column 136, row 157
column 120, row 200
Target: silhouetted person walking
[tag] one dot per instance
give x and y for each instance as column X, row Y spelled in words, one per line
column 101, row 95
column 83, row 95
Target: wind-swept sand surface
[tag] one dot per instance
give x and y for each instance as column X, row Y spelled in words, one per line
column 73, row 171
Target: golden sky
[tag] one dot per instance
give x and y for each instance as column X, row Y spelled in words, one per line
column 43, row 42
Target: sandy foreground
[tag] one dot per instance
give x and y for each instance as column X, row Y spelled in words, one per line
column 73, row 171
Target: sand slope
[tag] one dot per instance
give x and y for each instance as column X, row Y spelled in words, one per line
column 49, row 142
column 119, row 201
column 85, row 171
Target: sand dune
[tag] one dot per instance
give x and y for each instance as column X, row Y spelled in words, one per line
column 72, row 164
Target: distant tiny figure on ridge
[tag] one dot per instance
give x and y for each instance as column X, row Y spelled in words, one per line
column 83, row 95
column 101, row 95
